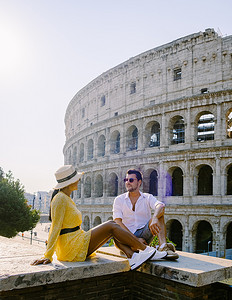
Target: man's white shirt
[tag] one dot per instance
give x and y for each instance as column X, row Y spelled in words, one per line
column 133, row 220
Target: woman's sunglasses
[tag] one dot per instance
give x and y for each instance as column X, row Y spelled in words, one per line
column 129, row 179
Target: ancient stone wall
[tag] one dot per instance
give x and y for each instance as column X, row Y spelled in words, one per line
column 166, row 112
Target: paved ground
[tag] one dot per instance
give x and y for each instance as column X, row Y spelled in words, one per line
column 39, row 234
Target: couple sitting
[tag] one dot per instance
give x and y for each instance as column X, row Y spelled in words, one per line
column 132, row 214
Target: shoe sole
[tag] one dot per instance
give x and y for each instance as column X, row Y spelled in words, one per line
column 135, row 268
column 171, row 257
column 164, row 254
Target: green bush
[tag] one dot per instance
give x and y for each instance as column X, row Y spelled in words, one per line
column 155, row 241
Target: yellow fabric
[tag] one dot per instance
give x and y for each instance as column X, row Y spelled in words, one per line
column 71, row 246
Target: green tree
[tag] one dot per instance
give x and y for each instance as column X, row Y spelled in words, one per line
column 15, row 214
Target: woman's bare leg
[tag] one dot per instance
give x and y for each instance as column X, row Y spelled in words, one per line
column 127, row 250
column 103, row 232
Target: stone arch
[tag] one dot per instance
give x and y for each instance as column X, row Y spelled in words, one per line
column 82, row 153
column 229, row 180
column 177, row 130
column 177, row 182
column 229, row 123
column 203, row 234
column 132, row 138
column 205, row 124
column 174, row 182
column 99, row 186
column 115, row 142
column 113, row 185
column 97, row 221
column 205, row 180
column 175, row 233
column 152, row 134
column 110, row 218
column 101, row 145
column 86, row 223
column 87, row 187
column 150, row 182
column 229, row 236
column 90, row 149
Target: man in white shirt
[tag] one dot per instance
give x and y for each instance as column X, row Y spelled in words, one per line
column 132, row 211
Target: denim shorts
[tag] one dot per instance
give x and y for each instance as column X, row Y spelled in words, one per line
column 144, row 233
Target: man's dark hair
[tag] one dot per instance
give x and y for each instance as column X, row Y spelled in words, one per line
column 138, row 174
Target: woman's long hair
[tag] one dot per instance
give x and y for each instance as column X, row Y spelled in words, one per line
column 53, row 195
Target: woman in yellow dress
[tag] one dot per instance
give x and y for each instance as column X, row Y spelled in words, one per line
column 70, row 241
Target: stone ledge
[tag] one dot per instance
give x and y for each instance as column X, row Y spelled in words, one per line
column 17, row 273
column 192, row 269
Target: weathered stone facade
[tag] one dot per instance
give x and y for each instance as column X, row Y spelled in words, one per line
column 166, row 112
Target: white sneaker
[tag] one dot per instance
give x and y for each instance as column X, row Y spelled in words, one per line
column 158, row 255
column 139, row 258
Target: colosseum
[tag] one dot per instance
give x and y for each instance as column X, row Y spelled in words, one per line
column 168, row 113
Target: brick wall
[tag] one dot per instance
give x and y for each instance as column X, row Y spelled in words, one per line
column 128, row 286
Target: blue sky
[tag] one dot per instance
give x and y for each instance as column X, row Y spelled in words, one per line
column 51, row 49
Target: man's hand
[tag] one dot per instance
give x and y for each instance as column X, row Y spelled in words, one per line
column 142, row 241
column 41, row 261
column 154, row 226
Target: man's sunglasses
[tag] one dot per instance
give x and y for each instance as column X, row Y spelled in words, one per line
column 129, row 179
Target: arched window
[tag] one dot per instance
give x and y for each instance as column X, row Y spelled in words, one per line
column 115, row 142
column 205, row 180
column 176, row 234
column 205, row 127
column 204, row 237
column 113, row 185
column 86, row 223
column 101, row 145
column 132, row 138
column 229, row 181
column 177, row 182
column 82, row 151
column 87, row 187
column 103, row 100
column 178, row 131
column 99, row 186
column 153, row 183
column 229, row 124
column 90, row 149
column 229, row 236
column 155, row 135
column 132, row 88
column 97, row 221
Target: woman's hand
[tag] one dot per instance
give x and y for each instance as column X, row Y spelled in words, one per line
column 42, row 261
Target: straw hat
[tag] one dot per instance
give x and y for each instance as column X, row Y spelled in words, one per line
column 66, row 175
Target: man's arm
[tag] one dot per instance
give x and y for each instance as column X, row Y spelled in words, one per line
column 158, row 213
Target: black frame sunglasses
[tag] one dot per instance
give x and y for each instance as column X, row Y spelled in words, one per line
column 129, row 179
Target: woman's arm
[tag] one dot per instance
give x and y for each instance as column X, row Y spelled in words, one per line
column 58, row 207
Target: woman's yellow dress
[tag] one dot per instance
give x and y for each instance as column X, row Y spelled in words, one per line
column 71, row 246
